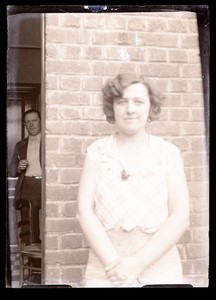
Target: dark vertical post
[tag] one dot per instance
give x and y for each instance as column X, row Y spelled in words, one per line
column 204, row 44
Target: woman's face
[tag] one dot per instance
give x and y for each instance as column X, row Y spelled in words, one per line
column 132, row 110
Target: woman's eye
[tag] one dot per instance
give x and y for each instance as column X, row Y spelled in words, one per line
column 121, row 101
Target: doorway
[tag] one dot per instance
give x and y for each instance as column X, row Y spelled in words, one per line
column 24, row 63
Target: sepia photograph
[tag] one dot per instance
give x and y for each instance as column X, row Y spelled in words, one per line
column 107, row 146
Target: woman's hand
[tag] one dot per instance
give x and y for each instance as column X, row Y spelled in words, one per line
column 123, row 271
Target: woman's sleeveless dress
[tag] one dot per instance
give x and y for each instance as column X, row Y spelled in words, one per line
column 133, row 208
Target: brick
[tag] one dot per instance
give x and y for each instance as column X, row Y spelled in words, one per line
column 180, row 114
column 53, row 257
column 92, row 84
column 52, row 210
column 176, row 25
column 71, row 113
column 52, row 242
column 178, row 85
column 71, row 145
column 70, row 83
column 178, row 55
column 172, row 100
column 93, row 113
column 52, row 175
column 201, row 266
column 198, row 114
column 68, row 127
column 199, row 219
column 70, row 175
column 92, row 21
column 197, row 280
column 195, row 128
column 52, row 113
column 195, row 86
column 156, row 39
column 69, row 209
column 102, row 129
column 188, row 174
column 92, row 53
column 71, row 274
column 52, row 51
column 159, row 84
column 181, row 251
column 70, row 20
column 155, row 24
column 200, row 205
column 194, row 159
column 78, row 257
column 200, row 174
column 55, row 160
column 108, row 69
column 84, row 37
column 99, row 38
column 159, row 55
column 198, row 144
column 63, row 226
column 53, row 275
column 186, row 237
column 71, row 241
column 96, row 98
column 187, row 267
column 193, row 56
column 67, row 67
column 192, row 100
column 136, row 24
column 165, row 129
column 61, row 193
column 123, row 53
column 164, row 114
column 198, row 189
column 159, row 70
column 182, row 143
column 121, row 38
column 71, row 52
column 85, row 243
column 200, row 235
column 189, row 41
column 61, row 35
column 192, row 26
column 79, row 160
column 52, row 144
column 115, row 22
column 67, row 98
column 191, row 71
column 52, row 82
column 52, row 19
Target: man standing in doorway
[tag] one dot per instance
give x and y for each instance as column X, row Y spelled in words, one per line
column 26, row 165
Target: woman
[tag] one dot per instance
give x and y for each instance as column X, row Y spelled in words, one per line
column 133, row 202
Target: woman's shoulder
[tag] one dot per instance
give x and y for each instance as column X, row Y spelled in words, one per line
column 160, row 144
column 100, row 147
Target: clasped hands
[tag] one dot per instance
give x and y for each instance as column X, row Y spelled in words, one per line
column 124, row 270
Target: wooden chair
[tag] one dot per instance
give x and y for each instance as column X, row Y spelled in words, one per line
column 30, row 253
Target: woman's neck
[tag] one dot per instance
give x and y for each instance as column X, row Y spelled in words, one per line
column 140, row 138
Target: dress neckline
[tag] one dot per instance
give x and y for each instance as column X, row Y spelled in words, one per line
column 130, row 171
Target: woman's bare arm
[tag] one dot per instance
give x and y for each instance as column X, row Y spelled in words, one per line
column 92, row 228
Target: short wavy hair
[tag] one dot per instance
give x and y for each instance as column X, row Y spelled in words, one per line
column 114, row 89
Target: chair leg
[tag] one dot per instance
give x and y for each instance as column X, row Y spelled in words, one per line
column 21, row 270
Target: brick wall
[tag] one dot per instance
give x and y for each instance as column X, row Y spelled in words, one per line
column 81, row 52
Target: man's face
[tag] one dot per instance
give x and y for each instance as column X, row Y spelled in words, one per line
column 32, row 123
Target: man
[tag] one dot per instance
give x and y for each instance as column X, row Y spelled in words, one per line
column 26, row 165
